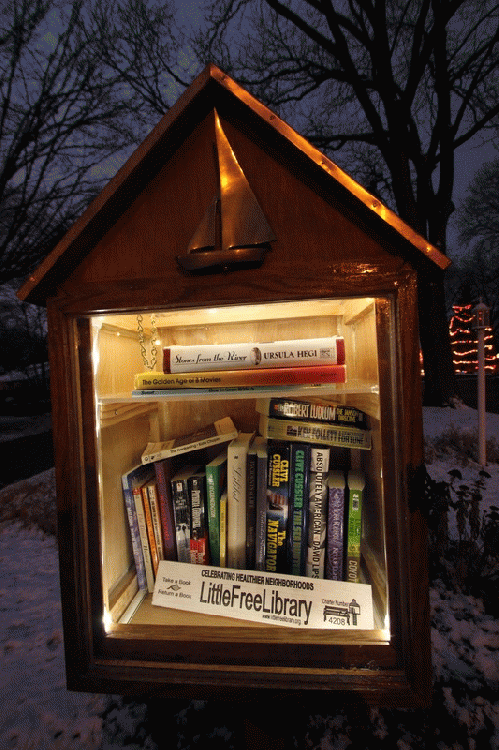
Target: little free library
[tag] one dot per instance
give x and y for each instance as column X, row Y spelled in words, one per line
column 233, row 337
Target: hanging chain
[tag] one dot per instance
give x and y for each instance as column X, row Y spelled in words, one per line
column 142, row 341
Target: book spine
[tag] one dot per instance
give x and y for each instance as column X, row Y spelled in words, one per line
column 219, row 432
column 144, row 537
column 298, row 353
column 216, row 476
column 199, row 525
column 155, row 517
column 335, row 527
column 354, row 526
column 300, row 476
column 150, row 530
column 339, row 436
column 251, row 480
column 181, row 507
column 278, row 503
column 319, row 465
column 223, row 530
column 261, row 504
column 237, row 454
column 167, row 518
column 138, row 555
column 307, row 375
column 312, row 411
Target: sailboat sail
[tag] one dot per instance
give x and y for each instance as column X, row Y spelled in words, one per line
column 233, row 228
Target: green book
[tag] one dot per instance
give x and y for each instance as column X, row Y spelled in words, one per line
column 356, row 484
column 216, row 481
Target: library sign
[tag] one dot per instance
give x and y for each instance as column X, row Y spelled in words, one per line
column 271, row 599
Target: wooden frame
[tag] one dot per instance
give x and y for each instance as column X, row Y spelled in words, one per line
column 333, row 242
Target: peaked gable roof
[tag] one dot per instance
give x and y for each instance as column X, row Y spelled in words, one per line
column 212, row 88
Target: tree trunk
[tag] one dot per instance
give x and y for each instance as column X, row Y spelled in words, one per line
column 435, row 340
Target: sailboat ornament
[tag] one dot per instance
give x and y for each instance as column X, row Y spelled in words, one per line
column 234, row 231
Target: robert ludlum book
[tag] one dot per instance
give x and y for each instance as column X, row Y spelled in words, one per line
column 311, row 410
column 317, row 512
column 182, row 511
column 295, row 353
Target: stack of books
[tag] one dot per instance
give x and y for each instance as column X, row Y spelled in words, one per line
column 282, row 499
column 249, row 365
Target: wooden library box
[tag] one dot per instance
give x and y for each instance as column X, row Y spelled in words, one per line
column 228, row 234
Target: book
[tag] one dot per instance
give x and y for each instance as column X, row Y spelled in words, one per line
column 216, row 482
column 248, row 355
column 153, row 546
column 237, row 456
column 251, row 486
column 298, row 526
column 312, row 410
column 278, row 506
column 261, row 502
column 153, row 383
column 144, row 534
column 223, row 529
column 163, row 471
column 356, row 485
column 182, row 512
column 221, row 431
column 129, row 481
column 317, row 507
column 199, row 522
column 335, row 435
column 153, row 495
column 335, row 550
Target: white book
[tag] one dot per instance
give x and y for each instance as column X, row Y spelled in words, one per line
column 249, row 355
column 237, row 457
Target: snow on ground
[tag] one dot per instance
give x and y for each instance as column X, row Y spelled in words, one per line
column 38, row 713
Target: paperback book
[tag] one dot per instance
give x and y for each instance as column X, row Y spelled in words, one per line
column 130, row 481
column 182, row 511
column 295, row 353
column 216, row 483
column 317, row 510
column 199, row 523
column 278, row 506
column 298, row 532
column 335, row 435
column 311, row 410
column 335, row 551
column 356, row 485
column 221, row 431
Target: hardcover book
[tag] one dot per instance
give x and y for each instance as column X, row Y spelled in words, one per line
column 153, row 383
column 216, row 483
column 356, row 485
column 335, row 435
column 311, row 410
column 298, row 532
column 163, row 471
column 237, row 458
column 223, row 529
column 278, row 506
column 221, row 431
column 335, row 551
column 295, row 353
column 317, row 512
column 251, row 488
